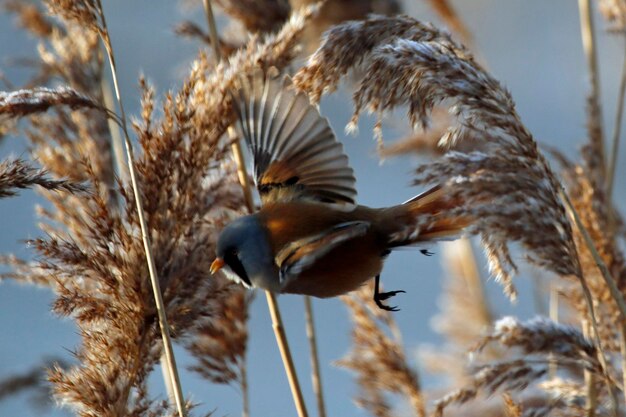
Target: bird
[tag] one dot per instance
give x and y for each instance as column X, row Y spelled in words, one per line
column 310, row 236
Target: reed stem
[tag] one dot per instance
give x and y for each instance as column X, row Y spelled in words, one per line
column 589, row 46
column 285, row 353
column 316, row 377
column 554, row 316
column 277, row 324
column 160, row 305
column 606, row 275
column 589, row 298
column 116, row 137
column 622, row 346
column 245, row 391
column 617, row 129
column 591, row 400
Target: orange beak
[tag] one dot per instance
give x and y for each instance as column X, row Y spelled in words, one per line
column 217, row 264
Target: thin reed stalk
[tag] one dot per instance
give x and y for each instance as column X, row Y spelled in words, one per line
column 244, row 179
column 589, row 298
column 471, row 275
column 591, row 400
column 617, row 129
column 285, row 353
column 316, row 377
column 622, row 347
column 553, row 310
column 595, row 109
column 114, row 129
column 615, row 292
column 245, row 393
column 610, row 180
column 154, row 280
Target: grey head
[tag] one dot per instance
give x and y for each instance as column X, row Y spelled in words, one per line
column 244, row 247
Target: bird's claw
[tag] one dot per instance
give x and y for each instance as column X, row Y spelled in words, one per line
column 426, row 252
column 380, row 296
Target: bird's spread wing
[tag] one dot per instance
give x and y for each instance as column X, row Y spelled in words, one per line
column 301, row 254
column 296, row 154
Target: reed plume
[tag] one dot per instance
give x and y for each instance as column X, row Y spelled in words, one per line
column 92, row 254
column 17, row 174
column 464, row 315
column 525, row 350
column 614, row 11
column 507, row 186
column 378, row 358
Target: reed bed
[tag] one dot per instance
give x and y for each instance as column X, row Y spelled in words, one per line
column 111, row 224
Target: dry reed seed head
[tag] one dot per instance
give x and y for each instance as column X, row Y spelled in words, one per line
column 377, row 358
column 18, row 174
column 464, row 314
column 424, row 141
column 191, row 30
column 257, row 16
column 451, row 19
column 510, row 376
column 541, row 336
column 593, row 152
column 94, row 255
column 512, row 408
column 72, row 55
column 25, row 272
column 614, row 11
column 607, row 311
column 350, row 45
column 569, row 391
column 85, row 13
column 22, row 103
column 595, row 213
column 227, row 44
column 33, row 382
column 507, row 185
column 30, row 17
column 220, row 342
column 334, row 12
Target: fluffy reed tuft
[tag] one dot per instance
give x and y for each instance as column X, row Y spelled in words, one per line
column 602, row 221
column 25, row 102
column 92, row 256
column 614, row 11
column 507, row 186
column 257, row 16
column 541, row 336
column 221, row 340
column 378, row 358
column 525, row 353
column 17, row 174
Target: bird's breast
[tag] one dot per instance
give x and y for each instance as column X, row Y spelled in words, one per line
column 342, row 269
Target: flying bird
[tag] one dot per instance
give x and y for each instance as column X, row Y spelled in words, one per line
column 310, row 237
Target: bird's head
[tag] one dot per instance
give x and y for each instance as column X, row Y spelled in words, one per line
column 245, row 256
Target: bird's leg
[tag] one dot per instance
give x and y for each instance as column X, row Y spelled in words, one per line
column 380, row 296
column 426, row 252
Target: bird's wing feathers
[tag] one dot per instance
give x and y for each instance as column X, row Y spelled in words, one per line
column 296, row 154
column 298, row 255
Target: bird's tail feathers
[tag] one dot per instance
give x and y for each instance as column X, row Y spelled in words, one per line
column 427, row 217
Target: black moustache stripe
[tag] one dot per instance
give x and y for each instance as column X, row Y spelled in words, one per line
column 237, row 267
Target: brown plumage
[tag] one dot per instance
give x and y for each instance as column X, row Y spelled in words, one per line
column 311, row 237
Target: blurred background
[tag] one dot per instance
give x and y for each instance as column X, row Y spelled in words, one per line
column 532, row 46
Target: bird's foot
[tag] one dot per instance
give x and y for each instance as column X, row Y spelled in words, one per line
column 381, row 296
column 426, row 252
